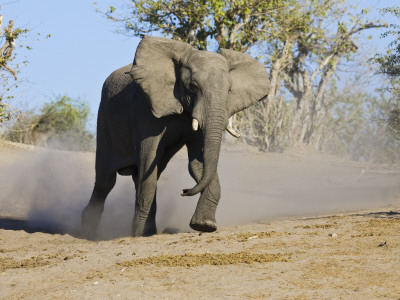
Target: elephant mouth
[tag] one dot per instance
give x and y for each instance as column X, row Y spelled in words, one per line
column 195, row 127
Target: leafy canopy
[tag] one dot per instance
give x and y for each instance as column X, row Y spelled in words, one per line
column 233, row 24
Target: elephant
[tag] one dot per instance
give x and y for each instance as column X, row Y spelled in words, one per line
column 171, row 96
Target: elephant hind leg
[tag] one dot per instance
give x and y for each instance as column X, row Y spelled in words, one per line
column 91, row 215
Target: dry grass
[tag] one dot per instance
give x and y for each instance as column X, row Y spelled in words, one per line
column 317, row 226
column 33, row 262
column 245, row 236
column 195, row 260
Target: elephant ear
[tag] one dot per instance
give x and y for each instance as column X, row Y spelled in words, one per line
column 250, row 82
column 154, row 69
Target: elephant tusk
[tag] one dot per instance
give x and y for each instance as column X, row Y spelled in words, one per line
column 232, row 132
column 195, row 124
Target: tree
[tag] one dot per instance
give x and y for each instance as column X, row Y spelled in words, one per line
column 301, row 43
column 60, row 124
column 309, row 43
column 389, row 65
column 8, row 37
column 233, row 24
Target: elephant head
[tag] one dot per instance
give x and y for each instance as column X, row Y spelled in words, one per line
column 211, row 87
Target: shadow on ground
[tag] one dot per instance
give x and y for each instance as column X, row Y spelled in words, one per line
column 382, row 214
column 8, row 223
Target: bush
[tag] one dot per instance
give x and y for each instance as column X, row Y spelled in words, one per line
column 61, row 124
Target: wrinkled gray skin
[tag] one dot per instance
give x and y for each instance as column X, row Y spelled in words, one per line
column 145, row 117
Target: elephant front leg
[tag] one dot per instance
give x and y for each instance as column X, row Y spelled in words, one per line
column 144, row 222
column 204, row 216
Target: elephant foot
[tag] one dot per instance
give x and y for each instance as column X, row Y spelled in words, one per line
column 90, row 220
column 204, row 226
column 147, row 229
column 147, row 232
column 203, row 218
column 150, row 231
column 88, row 233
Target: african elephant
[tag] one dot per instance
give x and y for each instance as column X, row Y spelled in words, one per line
column 172, row 95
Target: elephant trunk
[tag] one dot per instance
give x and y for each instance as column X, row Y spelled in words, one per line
column 213, row 130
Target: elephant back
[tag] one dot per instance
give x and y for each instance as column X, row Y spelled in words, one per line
column 118, row 82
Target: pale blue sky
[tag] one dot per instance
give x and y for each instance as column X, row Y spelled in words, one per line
column 83, row 49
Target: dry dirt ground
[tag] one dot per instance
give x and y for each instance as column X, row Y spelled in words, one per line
column 298, row 225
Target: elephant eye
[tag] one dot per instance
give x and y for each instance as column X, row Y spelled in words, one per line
column 193, row 86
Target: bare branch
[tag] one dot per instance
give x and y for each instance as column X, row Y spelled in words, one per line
column 277, row 68
column 322, row 65
column 363, row 27
column 11, row 71
column 292, row 88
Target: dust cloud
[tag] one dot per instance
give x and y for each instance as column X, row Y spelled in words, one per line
column 46, row 190
column 43, row 188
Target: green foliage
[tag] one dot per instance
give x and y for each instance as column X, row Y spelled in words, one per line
column 389, row 65
column 234, row 24
column 62, row 115
column 60, row 124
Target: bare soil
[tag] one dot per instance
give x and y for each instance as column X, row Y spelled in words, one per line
column 298, row 225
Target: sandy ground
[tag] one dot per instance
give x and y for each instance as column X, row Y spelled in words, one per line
column 299, row 225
